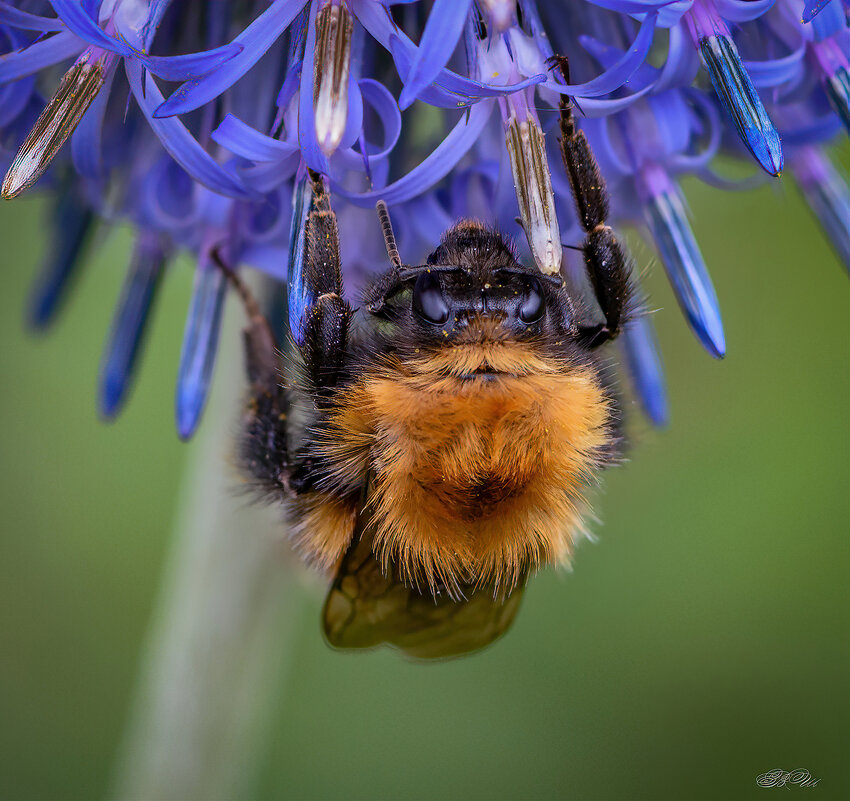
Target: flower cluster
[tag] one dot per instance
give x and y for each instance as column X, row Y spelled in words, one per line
column 197, row 121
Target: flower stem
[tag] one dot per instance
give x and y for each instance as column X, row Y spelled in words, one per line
column 217, row 648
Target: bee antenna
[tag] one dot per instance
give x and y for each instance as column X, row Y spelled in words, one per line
column 389, row 236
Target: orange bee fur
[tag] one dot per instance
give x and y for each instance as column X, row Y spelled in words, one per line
column 482, row 451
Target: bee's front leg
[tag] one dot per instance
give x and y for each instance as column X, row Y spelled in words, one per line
column 327, row 315
column 606, row 260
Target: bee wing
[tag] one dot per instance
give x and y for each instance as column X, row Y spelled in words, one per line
column 365, row 608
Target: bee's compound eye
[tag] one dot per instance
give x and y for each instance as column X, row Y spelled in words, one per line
column 531, row 309
column 428, row 300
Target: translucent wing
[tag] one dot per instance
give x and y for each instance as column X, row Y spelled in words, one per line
column 366, row 608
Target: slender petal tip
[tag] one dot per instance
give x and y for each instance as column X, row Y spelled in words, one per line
column 643, row 360
column 741, row 101
column 125, row 341
column 536, row 200
column 200, row 343
column 77, row 90
column 837, row 88
column 683, row 262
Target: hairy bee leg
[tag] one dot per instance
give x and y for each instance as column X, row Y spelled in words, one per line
column 263, row 448
column 606, row 262
column 327, row 316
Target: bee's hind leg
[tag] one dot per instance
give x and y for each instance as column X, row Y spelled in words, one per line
column 263, row 450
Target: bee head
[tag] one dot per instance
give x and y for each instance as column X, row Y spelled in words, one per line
column 471, row 289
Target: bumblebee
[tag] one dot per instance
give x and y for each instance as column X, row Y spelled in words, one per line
column 454, row 422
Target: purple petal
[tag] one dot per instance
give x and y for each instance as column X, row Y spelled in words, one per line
column 177, row 140
column 619, row 72
column 124, row 345
column 828, row 196
column 812, row 8
column 248, row 142
column 191, row 65
column 436, row 166
column 87, row 139
column 200, row 345
column 307, row 140
column 682, row 260
column 255, row 39
column 646, row 371
column 10, row 15
column 40, row 54
column 742, row 10
column 441, row 35
column 77, row 19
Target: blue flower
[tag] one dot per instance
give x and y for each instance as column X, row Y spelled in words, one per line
column 443, row 109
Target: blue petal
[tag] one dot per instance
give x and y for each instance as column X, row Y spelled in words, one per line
column 828, row 24
column 837, row 87
column 674, row 239
column 78, row 20
column 742, row 10
column 255, row 39
column 28, row 22
column 72, row 226
column 40, row 54
column 619, row 72
column 682, row 62
column 307, row 140
column 87, row 139
column 646, row 371
column 633, row 6
column 190, row 65
column 177, row 140
column 248, row 142
column 299, row 299
column 436, row 166
column 828, row 196
column 433, row 95
column 124, row 345
column 812, row 8
column 200, row 345
column 448, row 90
column 739, row 97
column 384, row 105
column 441, row 35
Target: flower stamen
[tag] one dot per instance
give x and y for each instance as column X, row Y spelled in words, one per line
column 77, row 91
column 334, row 28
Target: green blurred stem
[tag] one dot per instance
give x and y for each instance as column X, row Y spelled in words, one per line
column 217, row 649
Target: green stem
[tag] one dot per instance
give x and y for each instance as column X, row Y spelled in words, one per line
column 217, row 648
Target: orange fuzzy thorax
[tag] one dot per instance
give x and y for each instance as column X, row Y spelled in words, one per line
column 477, row 478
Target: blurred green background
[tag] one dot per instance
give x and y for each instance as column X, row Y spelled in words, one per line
column 701, row 641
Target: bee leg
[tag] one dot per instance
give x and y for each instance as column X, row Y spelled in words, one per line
column 327, row 315
column 264, row 451
column 607, row 263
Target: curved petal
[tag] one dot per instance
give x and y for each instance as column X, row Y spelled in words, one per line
column 9, row 15
column 77, row 19
column 243, row 140
column 646, row 371
column 441, row 35
column 742, row 10
column 40, row 54
column 433, row 168
column 87, row 139
column 177, row 140
column 255, row 41
column 619, row 72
